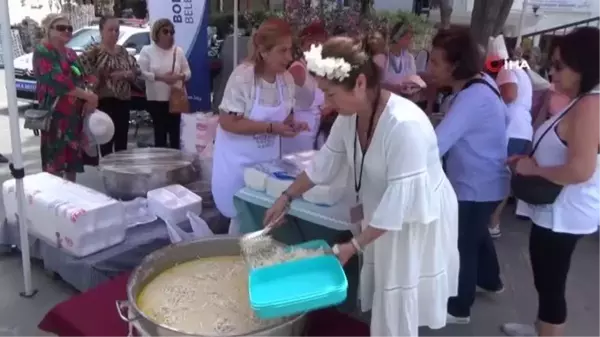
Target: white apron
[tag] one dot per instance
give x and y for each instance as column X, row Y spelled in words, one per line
column 234, row 152
column 390, row 76
column 312, row 116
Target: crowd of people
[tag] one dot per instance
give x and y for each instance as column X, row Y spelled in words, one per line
column 104, row 77
column 428, row 198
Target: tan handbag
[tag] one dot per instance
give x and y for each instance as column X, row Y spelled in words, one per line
column 178, row 100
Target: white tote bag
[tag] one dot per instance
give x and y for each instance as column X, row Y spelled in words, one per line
column 200, row 229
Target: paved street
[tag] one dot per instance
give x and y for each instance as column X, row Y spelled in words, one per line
column 20, row 316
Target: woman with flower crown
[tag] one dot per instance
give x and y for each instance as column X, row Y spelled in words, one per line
column 406, row 205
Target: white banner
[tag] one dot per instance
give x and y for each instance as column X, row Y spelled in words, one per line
column 190, row 18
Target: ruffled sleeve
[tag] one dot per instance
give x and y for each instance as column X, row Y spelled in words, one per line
column 330, row 159
column 237, row 97
column 407, row 198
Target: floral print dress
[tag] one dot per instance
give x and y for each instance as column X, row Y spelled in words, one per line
column 57, row 72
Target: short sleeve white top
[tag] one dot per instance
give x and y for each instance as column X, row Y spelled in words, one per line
column 240, row 91
column 519, row 111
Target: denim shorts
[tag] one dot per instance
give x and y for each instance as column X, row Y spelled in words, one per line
column 517, row 146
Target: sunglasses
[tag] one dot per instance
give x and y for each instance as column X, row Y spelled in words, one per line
column 166, row 31
column 64, row 28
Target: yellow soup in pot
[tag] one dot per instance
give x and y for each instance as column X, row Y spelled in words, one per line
column 208, row 296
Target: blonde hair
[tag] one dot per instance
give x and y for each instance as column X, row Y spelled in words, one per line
column 267, row 36
column 50, row 20
column 158, row 25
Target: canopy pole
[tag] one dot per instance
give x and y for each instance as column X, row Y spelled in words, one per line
column 521, row 23
column 236, row 31
column 16, row 166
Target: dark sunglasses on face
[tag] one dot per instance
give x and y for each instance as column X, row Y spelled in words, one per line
column 166, row 31
column 64, row 28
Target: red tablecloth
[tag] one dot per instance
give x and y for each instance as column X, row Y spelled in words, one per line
column 94, row 313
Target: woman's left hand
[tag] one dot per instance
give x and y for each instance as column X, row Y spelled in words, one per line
column 122, row 74
column 300, row 126
column 345, row 252
column 526, row 166
column 130, row 75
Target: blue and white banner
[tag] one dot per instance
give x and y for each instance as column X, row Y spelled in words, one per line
column 190, row 18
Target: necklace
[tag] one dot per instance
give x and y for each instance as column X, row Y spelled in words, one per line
column 396, row 63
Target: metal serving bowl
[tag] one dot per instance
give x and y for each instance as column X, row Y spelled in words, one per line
column 132, row 173
column 165, row 258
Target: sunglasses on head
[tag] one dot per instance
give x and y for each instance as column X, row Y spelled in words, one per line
column 167, row 31
column 63, row 28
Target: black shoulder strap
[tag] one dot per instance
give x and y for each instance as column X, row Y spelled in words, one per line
column 551, row 126
column 558, row 119
column 475, row 81
column 484, row 82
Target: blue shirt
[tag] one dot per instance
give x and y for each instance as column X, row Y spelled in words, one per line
column 473, row 136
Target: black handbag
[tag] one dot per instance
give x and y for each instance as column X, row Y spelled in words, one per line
column 536, row 190
column 39, row 119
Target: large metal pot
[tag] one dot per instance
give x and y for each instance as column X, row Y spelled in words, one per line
column 132, row 173
column 165, row 258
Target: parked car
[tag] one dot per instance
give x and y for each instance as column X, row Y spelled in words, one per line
column 131, row 37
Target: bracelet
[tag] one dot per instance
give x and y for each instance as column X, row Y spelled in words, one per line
column 287, row 196
column 356, row 245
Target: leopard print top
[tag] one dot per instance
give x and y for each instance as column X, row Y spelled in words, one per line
column 101, row 63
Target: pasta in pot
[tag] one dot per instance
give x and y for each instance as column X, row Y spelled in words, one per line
column 208, row 296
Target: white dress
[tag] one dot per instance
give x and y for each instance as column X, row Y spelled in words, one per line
column 409, row 272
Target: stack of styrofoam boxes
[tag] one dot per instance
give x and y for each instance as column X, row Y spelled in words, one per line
column 259, row 177
column 172, row 203
column 73, row 217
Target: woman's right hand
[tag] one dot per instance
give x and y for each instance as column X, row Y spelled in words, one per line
column 169, row 78
column 91, row 102
column 284, row 130
column 275, row 215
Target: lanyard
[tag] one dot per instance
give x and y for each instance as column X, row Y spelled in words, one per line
column 370, row 129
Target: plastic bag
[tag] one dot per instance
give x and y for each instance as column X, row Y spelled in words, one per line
column 198, row 130
column 200, row 229
column 137, row 213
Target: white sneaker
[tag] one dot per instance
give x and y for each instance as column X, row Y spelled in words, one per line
column 457, row 320
column 516, row 329
column 495, row 231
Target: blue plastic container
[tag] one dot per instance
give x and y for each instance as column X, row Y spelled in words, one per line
column 313, row 244
column 298, row 286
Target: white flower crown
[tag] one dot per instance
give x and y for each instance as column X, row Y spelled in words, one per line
column 332, row 68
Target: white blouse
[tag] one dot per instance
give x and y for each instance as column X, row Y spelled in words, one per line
column 388, row 174
column 412, row 269
column 240, row 91
column 156, row 61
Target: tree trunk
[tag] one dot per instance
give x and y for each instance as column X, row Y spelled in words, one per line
column 488, row 18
